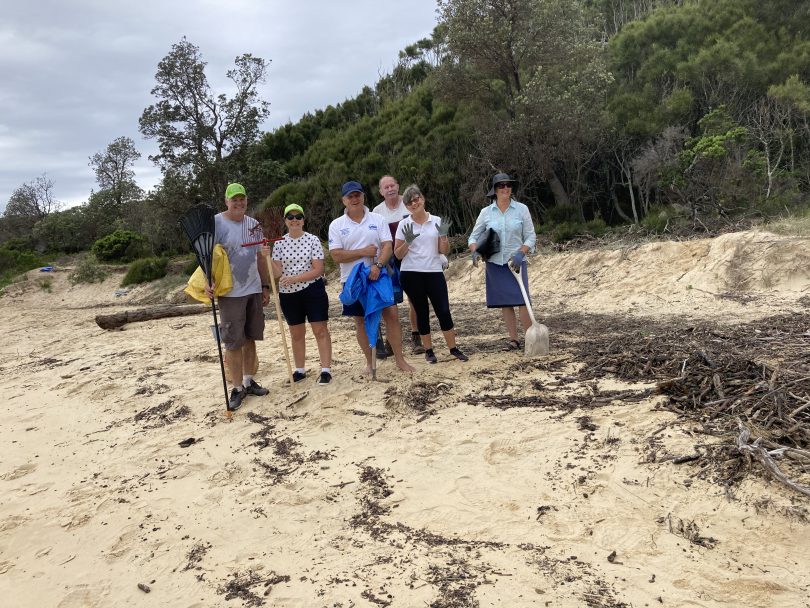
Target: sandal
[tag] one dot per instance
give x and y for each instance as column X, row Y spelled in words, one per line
column 512, row 345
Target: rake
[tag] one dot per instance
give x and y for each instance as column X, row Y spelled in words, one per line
column 199, row 225
column 270, row 222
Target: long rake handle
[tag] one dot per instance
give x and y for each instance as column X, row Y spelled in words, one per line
column 281, row 329
column 221, row 360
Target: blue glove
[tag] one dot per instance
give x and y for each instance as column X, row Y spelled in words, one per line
column 476, row 257
column 517, row 260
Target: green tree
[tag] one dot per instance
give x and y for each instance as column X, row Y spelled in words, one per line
column 199, row 134
column 535, row 73
column 114, row 171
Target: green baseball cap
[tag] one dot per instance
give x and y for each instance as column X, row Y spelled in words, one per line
column 293, row 207
column 235, row 190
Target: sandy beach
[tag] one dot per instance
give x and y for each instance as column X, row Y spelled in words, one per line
column 503, row 481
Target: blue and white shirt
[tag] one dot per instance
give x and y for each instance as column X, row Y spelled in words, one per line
column 345, row 233
column 514, row 226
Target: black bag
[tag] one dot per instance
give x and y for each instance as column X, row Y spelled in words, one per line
column 489, row 244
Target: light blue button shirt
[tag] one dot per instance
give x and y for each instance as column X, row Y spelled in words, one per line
column 514, row 226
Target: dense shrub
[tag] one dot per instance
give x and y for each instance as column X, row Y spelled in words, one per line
column 88, row 271
column 565, row 231
column 145, row 270
column 120, row 246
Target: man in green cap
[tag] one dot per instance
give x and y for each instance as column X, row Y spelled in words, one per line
column 241, row 314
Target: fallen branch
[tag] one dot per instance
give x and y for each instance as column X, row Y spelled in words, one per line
column 765, row 458
column 119, row 319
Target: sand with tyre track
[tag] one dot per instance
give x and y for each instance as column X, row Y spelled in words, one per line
column 411, row 491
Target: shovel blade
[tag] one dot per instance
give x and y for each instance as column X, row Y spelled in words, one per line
column 536, row 340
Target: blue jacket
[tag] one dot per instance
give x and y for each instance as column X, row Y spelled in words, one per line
column 373, row 296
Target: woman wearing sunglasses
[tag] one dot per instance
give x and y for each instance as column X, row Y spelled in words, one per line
column 298, row 260
column 420, row 243
column 512, row 222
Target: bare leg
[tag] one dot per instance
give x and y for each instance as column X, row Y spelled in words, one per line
column 525, row 319
column 412, row 317
column 427, row 341
column 250, row 360
column 320, row 330
column 450, row 338
column 233, row 366
column 391, row 318
column 362, row 340
column 511, row 321
column 298, row 335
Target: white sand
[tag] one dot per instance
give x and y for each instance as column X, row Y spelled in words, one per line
column 515, row 507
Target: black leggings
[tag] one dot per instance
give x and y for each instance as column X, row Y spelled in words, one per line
column 424, row 286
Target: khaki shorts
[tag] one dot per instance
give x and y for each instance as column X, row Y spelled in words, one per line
column 240, row 318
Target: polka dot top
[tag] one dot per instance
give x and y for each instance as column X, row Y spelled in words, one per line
column 296, row 257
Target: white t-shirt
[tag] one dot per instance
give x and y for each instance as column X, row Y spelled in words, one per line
column 296, row 257
column 231, row 235
column 345, row 233
column 423, row 252
column 394, row 215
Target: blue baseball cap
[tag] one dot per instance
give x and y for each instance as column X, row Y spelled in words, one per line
column 350, row 187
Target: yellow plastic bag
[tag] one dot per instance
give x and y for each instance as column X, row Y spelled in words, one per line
column 220, row 272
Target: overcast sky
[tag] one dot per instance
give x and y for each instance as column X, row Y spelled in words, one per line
column 77, row 74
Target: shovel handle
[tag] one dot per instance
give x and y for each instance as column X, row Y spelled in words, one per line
column 519, row 279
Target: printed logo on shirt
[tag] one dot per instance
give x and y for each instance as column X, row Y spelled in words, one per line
column 372, row 226
column 344, row 231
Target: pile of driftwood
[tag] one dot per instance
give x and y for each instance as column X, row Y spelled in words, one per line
column 749, row 385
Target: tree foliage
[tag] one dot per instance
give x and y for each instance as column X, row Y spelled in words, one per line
column 201, row 134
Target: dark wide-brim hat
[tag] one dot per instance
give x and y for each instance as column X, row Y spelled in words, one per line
column 497, row 179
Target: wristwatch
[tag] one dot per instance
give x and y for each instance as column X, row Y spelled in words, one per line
column 379, row 265
column 265, row 287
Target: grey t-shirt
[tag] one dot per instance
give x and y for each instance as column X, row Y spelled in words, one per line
column 231, row 235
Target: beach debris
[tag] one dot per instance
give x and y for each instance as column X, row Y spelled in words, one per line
column 188, row 442
column 144, row 587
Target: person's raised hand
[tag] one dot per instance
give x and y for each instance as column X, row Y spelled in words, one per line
column 407, row 232
column 444, row 228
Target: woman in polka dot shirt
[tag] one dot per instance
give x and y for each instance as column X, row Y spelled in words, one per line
column 298, row 260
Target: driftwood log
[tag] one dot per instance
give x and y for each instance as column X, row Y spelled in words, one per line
column 114, row 321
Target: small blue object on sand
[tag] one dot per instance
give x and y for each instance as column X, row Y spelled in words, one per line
column 46, row 269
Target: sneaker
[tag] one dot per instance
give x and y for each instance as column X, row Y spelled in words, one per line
column 429, row 356
column 456, row 352
column 298, row 376
column 325, row 378
column 254, row 388
column 418, row 349
column 235, row 401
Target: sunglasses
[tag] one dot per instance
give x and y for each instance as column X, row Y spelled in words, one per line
column 296, row 216
column 413, row 200
column 503, row 185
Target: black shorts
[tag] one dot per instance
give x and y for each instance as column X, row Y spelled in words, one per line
column 310, row 304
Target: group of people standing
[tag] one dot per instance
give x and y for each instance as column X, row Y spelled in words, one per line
column 400, row 238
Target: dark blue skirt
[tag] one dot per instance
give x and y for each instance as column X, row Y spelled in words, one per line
column 502, row 289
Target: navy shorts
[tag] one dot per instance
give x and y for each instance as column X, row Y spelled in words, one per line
column 310, row 304
column 354, row 310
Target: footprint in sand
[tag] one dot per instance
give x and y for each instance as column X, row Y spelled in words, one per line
column 11, row 522
column 84, row 597
column 5, row 566
column 20, row 471
column 507, row 450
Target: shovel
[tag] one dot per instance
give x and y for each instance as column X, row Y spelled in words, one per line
column 537, row 334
